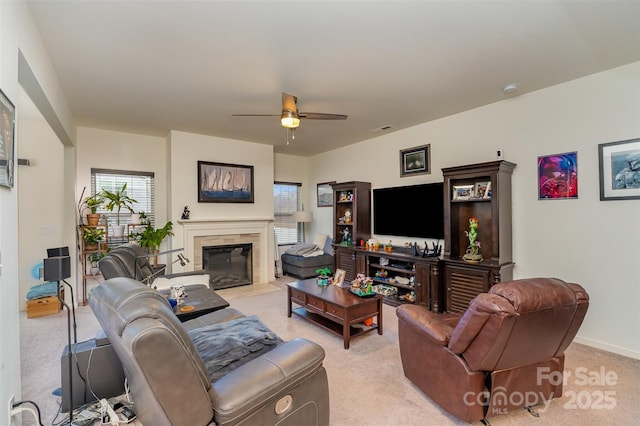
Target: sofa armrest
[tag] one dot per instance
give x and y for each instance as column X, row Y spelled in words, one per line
column 189, row 278
column 438, row 327
column 186, row 273
column 265, row 378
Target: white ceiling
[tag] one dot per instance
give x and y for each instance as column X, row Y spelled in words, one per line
column 151, row 66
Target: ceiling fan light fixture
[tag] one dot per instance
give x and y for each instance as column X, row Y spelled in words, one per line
column 290, row 119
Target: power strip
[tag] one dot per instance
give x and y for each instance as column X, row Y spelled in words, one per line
column 107, row 412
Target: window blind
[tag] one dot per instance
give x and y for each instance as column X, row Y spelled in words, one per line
column 287, row 200
column 140, row 187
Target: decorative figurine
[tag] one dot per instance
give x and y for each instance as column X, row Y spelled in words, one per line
column 185, row 213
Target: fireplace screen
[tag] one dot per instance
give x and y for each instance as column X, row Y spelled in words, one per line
column 228, row 265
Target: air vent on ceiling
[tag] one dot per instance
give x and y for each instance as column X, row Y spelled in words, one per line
column 382, row 128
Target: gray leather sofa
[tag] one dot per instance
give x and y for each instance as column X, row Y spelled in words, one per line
column 286, row 384
column 131, row 260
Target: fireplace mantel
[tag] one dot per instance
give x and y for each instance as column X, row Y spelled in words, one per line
column 234, row 228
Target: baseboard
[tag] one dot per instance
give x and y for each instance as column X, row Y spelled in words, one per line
column 608, row 347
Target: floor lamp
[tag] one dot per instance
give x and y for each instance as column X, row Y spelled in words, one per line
column 57, row 267
column 303, row 217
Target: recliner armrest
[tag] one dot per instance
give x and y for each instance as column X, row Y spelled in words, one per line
column 438, row 327
column 185, row 274
column 262, row 378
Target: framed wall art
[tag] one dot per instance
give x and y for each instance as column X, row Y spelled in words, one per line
column 558, row 176
column 619, row 170
column 224, row 183
column 415, row 161
column 325, row 194
column 7, row 148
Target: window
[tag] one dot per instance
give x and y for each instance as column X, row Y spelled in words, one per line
column 287, row 199
column 140, row 187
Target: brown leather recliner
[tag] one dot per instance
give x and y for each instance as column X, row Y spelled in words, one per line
column 505, row 352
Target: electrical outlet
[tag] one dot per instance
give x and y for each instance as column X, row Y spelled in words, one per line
column 10, row 408
column 500, row 154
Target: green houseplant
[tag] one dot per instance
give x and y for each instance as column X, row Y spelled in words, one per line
column 92, row 236
column 150, row 237
column 94, row 258
column 92, row 202
column 117, row 200
column 323, row 276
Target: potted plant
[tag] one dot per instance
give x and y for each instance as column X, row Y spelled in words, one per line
column 92, row 202
column 151, row 238
column 92, row 236
column 323, row 276
column 117, row 200
column 94, row 258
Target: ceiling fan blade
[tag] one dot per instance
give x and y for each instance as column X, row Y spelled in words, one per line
column 322, row 116
column 289, row 102
column 255, row 115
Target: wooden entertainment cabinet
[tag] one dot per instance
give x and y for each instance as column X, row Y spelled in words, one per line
column 423, row 273
column 444, row 284
column 463, row 280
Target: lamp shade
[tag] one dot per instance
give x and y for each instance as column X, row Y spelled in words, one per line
column 302, row 216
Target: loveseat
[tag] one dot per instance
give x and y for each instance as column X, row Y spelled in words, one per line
column 505, row 352
column 190, row 374
column 303, row 259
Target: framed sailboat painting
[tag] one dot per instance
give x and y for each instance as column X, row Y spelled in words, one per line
column 224, row 183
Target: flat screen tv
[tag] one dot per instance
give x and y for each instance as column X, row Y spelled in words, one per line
column 415, row 211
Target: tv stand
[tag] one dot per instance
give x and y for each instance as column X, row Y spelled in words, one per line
column 418, row 274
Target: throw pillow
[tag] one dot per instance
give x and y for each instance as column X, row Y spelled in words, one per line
column 328, row 248
column 320, row 240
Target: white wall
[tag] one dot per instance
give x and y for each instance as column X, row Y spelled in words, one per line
column 43, row 207
column 18, row 35
column 186, row 149
column 588, row 241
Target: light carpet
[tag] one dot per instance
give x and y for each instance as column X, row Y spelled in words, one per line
column 366, row 382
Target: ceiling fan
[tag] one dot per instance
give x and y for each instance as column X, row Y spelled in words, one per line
column 290, row 116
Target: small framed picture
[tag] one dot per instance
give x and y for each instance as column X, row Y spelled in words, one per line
column 619, row 170
column 463, row 192
column 325, row 194
column 415, row 161
column 338, row 277
column 7, row 137
column 481, row 189
column 558, row 176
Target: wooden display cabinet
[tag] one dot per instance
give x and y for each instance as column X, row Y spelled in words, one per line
column 351, row 212
column 463, row 280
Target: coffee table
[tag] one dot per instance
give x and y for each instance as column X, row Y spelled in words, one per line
column 202, row 298
column 334, row 308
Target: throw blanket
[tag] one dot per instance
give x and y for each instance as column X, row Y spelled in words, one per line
column 305, row 250
column 222, row 344
column 50, row 288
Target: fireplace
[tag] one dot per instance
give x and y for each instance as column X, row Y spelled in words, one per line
column 228, row 265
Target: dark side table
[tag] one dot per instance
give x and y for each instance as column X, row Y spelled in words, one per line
column 202, row 298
